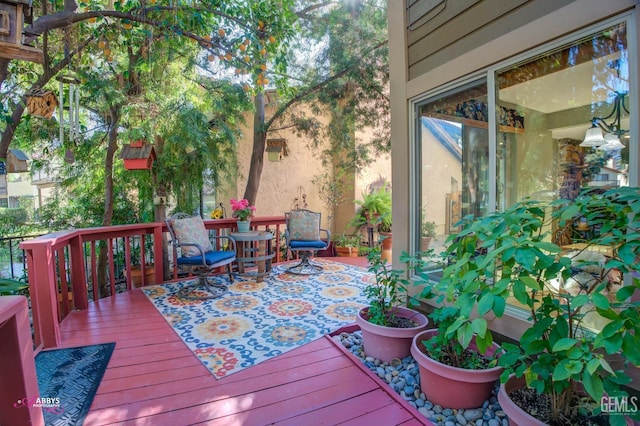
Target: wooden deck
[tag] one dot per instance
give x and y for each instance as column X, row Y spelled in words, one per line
column 154, row 379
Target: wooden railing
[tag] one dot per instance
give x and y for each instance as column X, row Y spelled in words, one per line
column 63, row 273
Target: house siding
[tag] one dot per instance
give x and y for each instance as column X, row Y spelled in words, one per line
column 461, row 26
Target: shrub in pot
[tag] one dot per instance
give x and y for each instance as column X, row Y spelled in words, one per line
column 388, row 327
column 565, row 364
column 458, row 360
column 346, row 244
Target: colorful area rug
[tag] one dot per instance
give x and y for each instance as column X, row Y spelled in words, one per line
column 255, row 321
column 68, row 380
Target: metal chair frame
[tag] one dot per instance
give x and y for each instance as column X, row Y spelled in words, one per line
column 203, row 269
column 306, row 266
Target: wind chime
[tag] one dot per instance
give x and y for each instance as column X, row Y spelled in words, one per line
column 70, row 85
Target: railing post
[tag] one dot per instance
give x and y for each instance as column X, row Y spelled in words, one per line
column 158, row 252
column 78, row 275
column 44, row 293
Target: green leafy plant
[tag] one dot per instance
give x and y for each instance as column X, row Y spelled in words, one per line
column 376, row 202
column 390, row 286
column 13, row 287
column 346, row 240
column 428, row 229
column 509, row 254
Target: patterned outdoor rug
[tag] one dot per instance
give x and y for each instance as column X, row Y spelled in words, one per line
column 68, row 379
column 256, row 321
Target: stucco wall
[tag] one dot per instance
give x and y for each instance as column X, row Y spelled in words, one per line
column 281, row 182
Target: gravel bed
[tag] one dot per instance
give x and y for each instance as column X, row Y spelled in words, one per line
column 403, row 376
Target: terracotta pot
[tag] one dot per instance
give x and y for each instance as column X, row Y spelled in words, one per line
column 453, row 387
column 387, row 243
column 425, row 242
column 387, row 343
column 517, row 416
column 149, row 276
column 347, row 251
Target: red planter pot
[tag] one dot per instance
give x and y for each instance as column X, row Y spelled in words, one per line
column 453, row 387
column 517, row 416
column 387, row 343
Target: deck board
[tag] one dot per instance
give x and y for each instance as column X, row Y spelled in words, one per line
column 154, row 379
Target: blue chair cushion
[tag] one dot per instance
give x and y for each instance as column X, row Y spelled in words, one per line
column 297, row 244
column 210, row 257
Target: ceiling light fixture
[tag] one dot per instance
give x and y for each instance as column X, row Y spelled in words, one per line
column 613, row 131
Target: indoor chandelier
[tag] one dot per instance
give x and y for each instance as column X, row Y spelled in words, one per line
column 613, row 131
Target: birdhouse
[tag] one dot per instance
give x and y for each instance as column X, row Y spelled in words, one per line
column 41, row 103
column 138, row 155
column 16, row 162
column 276, row 149
column 13, row 14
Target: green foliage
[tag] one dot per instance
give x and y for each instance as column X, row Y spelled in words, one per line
column 428, row 229
column 13, row 287
column 387, row 292
column 390, row 287
column 346, row 240
column 12, row 217
column 509, row 254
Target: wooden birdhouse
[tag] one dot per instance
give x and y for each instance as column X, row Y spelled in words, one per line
column 13, row 14
column 16, row 162
column 138, row 155
column 276, row 149
column 41, row 103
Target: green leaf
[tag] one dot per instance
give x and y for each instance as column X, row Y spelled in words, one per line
column 624, row 293
column 593, row 365
column 479, row 326
column 606, row 366
column 530, row 282
column 485, row 303
column 630, row 348
column 565, row 369
column 465, row 333
column 592, row 384
column 563, row 344
column 600, row 301
column 498, row 306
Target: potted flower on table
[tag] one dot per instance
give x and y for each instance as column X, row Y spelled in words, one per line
column 243, row 212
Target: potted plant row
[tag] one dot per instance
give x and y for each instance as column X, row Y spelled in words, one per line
column 561, row 371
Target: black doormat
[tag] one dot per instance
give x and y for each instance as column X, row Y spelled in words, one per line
column 68, row 379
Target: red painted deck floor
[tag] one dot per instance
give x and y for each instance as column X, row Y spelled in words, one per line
column 154, row 379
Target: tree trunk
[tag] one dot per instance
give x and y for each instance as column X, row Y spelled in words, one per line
column 161, row 193
column 257, row 155
column 107, row 218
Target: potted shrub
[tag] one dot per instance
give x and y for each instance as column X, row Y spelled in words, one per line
column 375, row 204
column 584, row 319
column 388, row 327
column 427, row 232
column 561, row 363
column 346, row 245
column 458, row 359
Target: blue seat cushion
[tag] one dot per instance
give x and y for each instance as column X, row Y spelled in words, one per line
column 210, row 257
column 297, row 244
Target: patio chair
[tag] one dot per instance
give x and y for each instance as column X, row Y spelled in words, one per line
column 303, row 238
column 191, row 239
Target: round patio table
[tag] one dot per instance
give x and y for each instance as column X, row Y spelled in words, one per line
column 254, row 253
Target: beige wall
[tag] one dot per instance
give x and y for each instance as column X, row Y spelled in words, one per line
column 283, row 181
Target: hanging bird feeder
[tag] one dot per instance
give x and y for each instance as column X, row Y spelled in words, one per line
column 138, row 155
